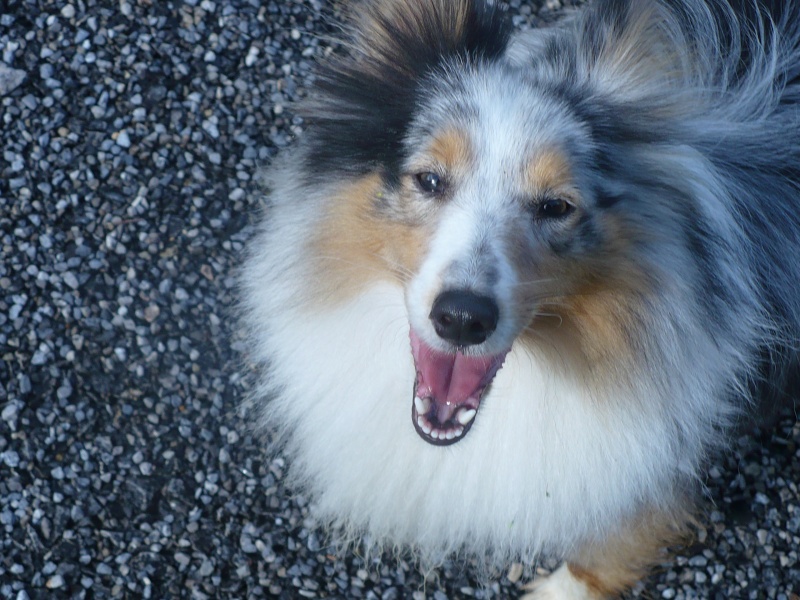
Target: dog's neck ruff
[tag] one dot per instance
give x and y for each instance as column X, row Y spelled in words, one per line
column 447, row 390
column 538, row 472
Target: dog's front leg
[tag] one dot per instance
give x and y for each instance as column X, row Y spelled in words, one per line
column 605, row 569
column 562, row 584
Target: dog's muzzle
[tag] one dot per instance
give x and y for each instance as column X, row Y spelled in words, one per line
column 450, row 384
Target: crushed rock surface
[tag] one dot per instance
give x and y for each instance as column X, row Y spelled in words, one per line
column 132, row 131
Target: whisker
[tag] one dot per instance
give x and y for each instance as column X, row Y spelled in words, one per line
column 532, row 282
column 551, row 316
column 397, row 269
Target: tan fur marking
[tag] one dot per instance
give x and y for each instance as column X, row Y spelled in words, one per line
column 585, row 332
column 354, row 245
column 452, row 149
column 601, row 317
column 550, row 171
column 583, row 317
column 614, row 566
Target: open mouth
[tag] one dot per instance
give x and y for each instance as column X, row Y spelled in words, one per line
column 448, row 390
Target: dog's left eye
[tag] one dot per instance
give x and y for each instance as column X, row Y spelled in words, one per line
column 554, row 208
column 430, row 183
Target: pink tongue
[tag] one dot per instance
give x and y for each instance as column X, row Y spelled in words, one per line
column 451, row 380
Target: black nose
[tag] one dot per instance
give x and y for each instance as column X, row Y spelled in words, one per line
column 464, row 318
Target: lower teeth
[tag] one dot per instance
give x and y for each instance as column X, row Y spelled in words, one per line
column 465, row 415
column 438, row 434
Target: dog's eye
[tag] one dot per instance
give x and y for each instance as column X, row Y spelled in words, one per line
column 554, row 208
column 430, row 183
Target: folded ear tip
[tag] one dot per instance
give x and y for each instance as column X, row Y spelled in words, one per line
column 364, row 99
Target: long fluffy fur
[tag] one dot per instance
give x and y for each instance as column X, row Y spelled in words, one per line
column 681, row 121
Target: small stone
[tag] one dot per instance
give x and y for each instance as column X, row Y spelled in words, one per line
column 243, row 571
column 123, row 139
column 700, row 577
column 10, row 412
column 39, row 358
column 49, row 568
column 71, row 280
column 762, row 535
column 252, row 56
column 206, row 569
column 10, row 79
column 246, row 544
column 210, row 128
column 182, row 559
column 10, row 458
column 68, row 11
column 151, row 313
column 55, row 582
column 515, row 572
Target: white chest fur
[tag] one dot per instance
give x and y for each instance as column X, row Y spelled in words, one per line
column 545, row 465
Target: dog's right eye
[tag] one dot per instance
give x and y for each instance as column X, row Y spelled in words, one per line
column 430, row 183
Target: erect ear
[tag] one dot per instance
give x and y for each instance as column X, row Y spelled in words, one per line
column 365, row 99
column 412, row 36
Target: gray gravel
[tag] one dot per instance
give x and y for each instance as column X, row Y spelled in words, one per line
column 131, row 132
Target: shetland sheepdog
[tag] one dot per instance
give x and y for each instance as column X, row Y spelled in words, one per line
column 513, row 290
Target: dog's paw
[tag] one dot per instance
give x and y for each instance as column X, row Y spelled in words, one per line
column 561, row 584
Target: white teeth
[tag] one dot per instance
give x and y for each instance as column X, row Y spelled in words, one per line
column 424, row 425
column 465, row 416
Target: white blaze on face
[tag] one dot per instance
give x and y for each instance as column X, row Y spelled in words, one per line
column 467, row 253
column 488, row 146
column 498, row 159
column 465, row 257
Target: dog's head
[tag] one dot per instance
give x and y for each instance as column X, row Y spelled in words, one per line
column 498, row 192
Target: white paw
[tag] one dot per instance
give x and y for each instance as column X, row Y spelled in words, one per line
column 561, row 584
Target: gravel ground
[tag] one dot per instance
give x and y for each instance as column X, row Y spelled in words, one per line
column 131, row 132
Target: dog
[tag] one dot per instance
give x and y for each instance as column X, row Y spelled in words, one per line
column 513, row 290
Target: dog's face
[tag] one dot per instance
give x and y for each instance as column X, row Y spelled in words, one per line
column 493, row 176
column 509, row 206
column 497, row 229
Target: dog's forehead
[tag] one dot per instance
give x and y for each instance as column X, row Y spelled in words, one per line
column 494, row 118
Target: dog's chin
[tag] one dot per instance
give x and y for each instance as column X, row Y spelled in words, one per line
column 448, row 390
